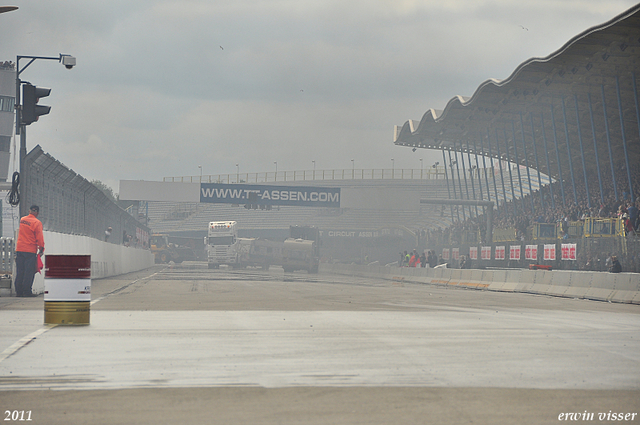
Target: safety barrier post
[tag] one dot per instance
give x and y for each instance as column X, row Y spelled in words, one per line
column 67, row 289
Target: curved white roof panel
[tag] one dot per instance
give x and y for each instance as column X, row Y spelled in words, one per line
column 560, row 100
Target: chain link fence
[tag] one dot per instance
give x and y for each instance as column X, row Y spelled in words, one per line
column 71, row 204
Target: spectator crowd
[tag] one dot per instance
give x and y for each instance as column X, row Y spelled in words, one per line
column 519, row 214
column 548, row 206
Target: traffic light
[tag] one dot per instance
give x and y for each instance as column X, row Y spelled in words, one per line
column 30, row 108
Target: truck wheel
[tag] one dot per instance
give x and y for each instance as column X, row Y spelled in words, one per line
column 164, row 257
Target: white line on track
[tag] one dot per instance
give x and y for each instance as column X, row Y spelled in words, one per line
column 22, row 342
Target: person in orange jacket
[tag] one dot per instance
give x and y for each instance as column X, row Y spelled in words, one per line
column 30, row 244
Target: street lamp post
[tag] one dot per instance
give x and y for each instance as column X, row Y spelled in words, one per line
column 393, row 167
column 276, row 175
column 200, row 167
column 69, row 62
column 353, row 169
column 314, row 168
column 420, row 168
column 237, row 173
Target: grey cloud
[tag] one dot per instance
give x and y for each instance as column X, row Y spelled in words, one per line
column 154, row 94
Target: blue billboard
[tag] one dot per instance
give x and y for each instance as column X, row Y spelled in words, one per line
column 300, row 196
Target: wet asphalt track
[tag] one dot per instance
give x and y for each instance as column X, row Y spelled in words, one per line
column 192, row 345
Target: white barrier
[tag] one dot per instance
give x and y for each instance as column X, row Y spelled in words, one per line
column 107, row 259
column 615, row 287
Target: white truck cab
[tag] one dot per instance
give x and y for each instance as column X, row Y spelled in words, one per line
column 222, row 243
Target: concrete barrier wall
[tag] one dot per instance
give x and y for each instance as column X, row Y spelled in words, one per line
column 107, row 259
column 614, row 287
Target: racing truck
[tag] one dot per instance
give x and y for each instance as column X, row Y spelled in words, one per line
column 223, row 246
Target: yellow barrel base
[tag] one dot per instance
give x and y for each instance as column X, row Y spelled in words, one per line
column 66, row 312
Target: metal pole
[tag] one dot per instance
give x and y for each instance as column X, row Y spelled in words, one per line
column 453, row 183
column 595, row 148
column 504, row 190
column 526, row 162
column 475, row 148
column 635, row 96
column 473, row 187
column 464, row 174
column 446, row 176
column 606, row 127
column 455, row 152
column 22, row 207
column 555, row 139
column 535, row 153
column 624, row 139
column 566, row 133
column 546, row 154
column 584, row 167
column 493, row 171
column 513, row 192
column 517, row 162
column 21, row 130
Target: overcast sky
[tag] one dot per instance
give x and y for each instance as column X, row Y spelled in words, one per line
column 161, row 87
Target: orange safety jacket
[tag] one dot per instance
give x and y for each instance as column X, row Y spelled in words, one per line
column 30, row 236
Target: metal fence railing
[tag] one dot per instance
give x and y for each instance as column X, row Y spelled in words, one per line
column 311, row 175
column 71, row 204
column 6, row 255
column 480, row 175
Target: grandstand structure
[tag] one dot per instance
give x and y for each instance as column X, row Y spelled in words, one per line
column 574, row 116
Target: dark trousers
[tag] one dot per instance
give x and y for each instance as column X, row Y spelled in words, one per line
column 25, row 272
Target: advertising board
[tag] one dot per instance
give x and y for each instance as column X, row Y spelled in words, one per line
column 301, row 196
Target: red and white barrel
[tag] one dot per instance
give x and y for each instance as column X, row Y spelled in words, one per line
column 67, row 289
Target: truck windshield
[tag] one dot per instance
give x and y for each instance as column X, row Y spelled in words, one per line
column 157, row 241
column 221, row 240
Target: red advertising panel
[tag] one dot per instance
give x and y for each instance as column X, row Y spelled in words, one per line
column 473, row 252
column 500, row 252
column 531, row 252
column 486, row 253
column 550, row 252
column 568, row 251
column 455, row 253
column 445, row 253
column 514, row 252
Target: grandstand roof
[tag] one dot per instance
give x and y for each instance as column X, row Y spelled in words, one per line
column 564, row 96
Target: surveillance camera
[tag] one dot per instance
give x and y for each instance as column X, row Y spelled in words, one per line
column 413, row 150
column 68, row 61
